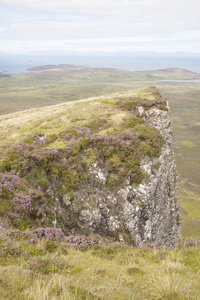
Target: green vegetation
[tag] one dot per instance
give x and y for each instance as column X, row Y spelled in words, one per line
column 188, row 144
column 59, row 160
column 46, row 265
column 40, row 268
column 185, row 111
column 56, row 84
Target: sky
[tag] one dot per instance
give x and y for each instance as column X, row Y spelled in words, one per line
column 99, row 26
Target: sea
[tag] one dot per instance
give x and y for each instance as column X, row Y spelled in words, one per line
column 17, row 64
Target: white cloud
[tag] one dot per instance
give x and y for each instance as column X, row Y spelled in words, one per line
column 101, row 24
column 109, row 45
column 74, row 6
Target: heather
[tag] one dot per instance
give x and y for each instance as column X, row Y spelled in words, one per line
column 45, row 166
column 45, row 264
column 44, row 254
column 69, row 83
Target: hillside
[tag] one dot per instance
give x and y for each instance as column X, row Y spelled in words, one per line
column 48, row 153
column 67, row 83
column 49, row 85
column 93, row 165
column 172, row 73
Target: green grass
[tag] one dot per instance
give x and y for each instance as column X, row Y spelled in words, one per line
column 190, row 209
column 188, row 144
column 57, row 144
column 53, row 270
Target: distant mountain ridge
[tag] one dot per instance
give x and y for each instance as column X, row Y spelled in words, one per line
column 69, row 66
column 49, row 67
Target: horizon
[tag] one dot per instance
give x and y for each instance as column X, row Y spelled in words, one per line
column 11, row 63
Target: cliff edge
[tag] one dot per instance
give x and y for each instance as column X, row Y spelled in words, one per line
column 104, row 166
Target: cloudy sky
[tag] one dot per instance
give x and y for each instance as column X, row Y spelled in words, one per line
column 90, row 26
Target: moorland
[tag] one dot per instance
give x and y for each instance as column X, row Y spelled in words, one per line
column 51, row 84
column 49, row 266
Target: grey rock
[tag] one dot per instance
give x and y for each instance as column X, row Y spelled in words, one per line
column 149, row 211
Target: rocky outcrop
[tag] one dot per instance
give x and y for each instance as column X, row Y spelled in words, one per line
column 112, row 173
column 152, row 210
column 148, row 212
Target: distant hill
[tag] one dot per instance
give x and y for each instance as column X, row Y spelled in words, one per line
column 4, row 75
column 175, row 70
column 172, row 73
column 41, row 68
column 50, row 67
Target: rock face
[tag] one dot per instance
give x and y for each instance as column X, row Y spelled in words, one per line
column 153, row 208
column 149, row 212
column 113, row 172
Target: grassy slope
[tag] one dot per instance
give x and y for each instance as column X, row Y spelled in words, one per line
column 34, row 269
column 67, row 83
column 185, row 110
column 46, row 87
column 54, row 270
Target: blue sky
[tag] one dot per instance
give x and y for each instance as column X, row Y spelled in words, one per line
column 93, row 26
